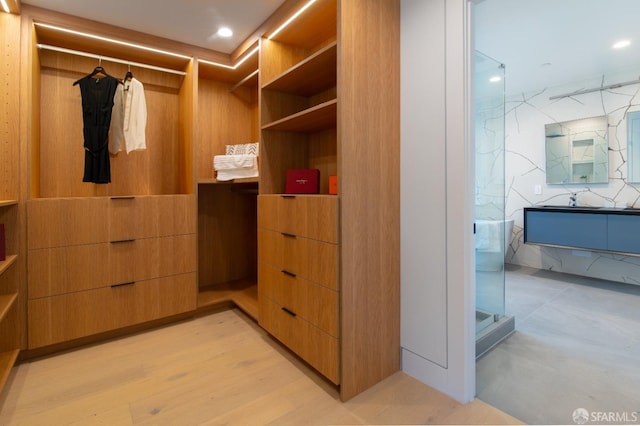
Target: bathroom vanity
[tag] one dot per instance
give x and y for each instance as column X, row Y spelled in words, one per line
column 605, row 229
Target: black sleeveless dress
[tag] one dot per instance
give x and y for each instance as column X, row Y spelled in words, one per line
column 97, row 103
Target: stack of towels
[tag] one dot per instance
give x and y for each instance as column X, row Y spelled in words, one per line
column 240, row 161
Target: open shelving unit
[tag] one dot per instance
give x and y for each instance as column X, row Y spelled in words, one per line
column 12, row 294
column 228, row 115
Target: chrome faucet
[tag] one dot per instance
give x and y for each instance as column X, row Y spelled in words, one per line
column 573, row 199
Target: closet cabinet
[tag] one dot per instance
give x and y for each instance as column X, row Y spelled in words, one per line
column 12, row 294
column 320, row 272
column 298, row 271
column 104, row 257
column 98, row 264
column 328, row 274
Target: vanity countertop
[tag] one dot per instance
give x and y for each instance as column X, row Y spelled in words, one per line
column 587, row 209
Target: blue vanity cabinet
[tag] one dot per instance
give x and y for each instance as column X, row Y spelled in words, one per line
column 609, row 230
column 624, row 233
column 583, row 230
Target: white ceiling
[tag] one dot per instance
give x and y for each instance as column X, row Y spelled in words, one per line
column 190, row 21
column 574, row 36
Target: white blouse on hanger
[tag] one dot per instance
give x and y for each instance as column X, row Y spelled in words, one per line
column 129, row 118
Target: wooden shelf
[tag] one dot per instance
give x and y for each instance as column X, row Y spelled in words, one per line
column 8, row 203
column 4, row 264
column 319, row 117
column 6, row 301
column 7, row 361
column 242, row 293
column 234, row 181
column 311, row 76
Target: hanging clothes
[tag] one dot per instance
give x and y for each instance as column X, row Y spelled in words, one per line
column 97, row 103
column 129, row 118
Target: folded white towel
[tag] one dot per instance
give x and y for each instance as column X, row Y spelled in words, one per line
column 224, row 175
column 233, row 162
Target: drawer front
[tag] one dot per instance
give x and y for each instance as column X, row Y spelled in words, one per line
column 75, row 221
column 60, row 270
column 61, row 318
column 313, row 260
column 313, row 345
column 66, row 221
column 310, row 216
column 316, row 304
column 151, row 216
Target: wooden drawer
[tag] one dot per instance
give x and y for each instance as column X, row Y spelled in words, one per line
column 151, row 216
column 60, row 270
column 313, row 260
column 313, row 345
column 57, row 222
column 316, row 304
column 71, row 316
column 310, row 216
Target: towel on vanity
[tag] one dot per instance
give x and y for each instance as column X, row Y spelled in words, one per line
column 489, row 235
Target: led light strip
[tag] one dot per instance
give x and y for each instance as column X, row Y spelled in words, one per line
column 231, row 67
column 107, row 58
column 5, row 6
column 122, row 43
column 288, row 21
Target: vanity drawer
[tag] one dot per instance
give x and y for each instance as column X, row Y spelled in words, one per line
column 313, row 260
column 60, row 270
column 316, row 304
column 565, row 229
column 70, row 316
column 310, row 216
column 313, row 345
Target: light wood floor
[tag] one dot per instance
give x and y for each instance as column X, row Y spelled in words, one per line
column 216, row 369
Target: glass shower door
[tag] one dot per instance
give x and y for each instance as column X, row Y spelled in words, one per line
column 489, row 116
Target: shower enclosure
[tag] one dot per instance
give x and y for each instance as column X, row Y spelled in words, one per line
column 492, row 233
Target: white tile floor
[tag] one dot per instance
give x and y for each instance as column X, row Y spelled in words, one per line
column 576, row 345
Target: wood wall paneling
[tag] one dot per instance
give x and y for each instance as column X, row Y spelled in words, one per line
column 368, row 169
column 224, row 118
column 61, row 164
column 9, row 105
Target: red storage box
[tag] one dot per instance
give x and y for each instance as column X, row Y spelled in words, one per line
column 303, row 181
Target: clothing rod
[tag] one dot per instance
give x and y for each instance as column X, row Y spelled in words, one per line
column 595, row 89
column 107, row 58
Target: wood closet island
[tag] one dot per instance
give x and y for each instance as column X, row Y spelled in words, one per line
column 165, row 240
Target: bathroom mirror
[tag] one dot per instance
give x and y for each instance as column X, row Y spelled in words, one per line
column 577, row 151
column 633, row 147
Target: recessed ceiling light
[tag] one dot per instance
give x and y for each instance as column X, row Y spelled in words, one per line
column 225, row 32
column 495, row 79
column 622, row 43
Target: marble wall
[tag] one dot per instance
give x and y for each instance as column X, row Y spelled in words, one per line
column 525, row 117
